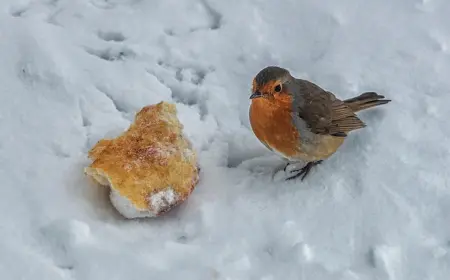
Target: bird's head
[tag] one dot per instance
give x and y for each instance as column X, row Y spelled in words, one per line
column 270, row 85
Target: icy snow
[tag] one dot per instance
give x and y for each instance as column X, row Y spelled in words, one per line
column 163, row 200
column 73, row 72
column 158, row 202
column 124, row 206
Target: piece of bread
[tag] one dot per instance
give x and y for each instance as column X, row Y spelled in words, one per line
column 151, row 167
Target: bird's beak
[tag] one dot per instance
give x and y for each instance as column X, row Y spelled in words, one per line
column 256, row 94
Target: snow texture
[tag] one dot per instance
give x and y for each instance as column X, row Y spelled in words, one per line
column 124, row 206
column 73, row 72
column 158, row 202
column 163, row 200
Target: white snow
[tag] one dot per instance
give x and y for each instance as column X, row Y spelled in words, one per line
column 73, row 72
column 163, row 200
column 158, row 202
column 124, row 206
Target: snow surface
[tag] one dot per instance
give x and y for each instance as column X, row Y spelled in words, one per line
column 73, row 72
column 158, row 202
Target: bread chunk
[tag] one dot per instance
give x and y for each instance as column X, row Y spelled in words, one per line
column 151, row 167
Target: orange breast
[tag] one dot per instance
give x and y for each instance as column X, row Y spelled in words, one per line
column 272, row 125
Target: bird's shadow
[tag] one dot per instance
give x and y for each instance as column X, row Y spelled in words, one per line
column 263, row 165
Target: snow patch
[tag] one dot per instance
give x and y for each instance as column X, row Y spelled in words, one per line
column 163, row 200
column 126, row 208
column 71, row 232
column 158, row 203
column 390, row 258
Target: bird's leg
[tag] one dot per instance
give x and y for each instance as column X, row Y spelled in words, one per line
column 304, row 170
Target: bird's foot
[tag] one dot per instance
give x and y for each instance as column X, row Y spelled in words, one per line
column 282, row 166
column 304, row 170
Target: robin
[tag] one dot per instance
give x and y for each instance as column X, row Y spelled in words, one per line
column 300, row 121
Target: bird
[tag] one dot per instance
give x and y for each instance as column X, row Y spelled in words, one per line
column 300, row 121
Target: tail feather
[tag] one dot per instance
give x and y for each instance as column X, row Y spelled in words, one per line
column 365, row 101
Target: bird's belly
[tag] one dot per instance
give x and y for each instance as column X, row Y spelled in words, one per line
column 321, row 148
column 276, row 130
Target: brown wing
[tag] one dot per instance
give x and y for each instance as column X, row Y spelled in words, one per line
column 322, row 112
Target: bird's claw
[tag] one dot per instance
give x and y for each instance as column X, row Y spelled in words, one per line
column 304, row 170
column 278, row 168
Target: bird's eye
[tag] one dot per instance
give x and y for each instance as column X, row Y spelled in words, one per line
column 278, row 88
